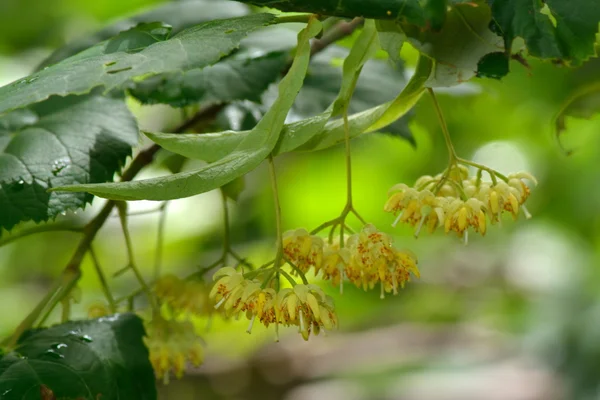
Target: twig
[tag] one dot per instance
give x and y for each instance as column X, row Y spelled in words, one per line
column 338, row 32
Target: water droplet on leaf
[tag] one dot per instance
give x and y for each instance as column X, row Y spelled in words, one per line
column 54, row 353
column 86, row 338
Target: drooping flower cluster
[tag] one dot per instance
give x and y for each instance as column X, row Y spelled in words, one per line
column 304, row 306
column 457, row 201
column 303, row 249
column 375, row 261
column 183, row 297
column 368, row 258
column 171, row 345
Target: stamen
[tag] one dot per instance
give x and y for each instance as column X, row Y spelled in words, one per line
column 249, row 330
column 466, row 237
column 301, row 327
column 382, row 295
column 526, row 212
column 420, row 226
column 397, row 219
column 220, row 302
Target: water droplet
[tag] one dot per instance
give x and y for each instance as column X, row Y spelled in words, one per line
column 59, row 165
column 30, row 80
column 54, row 353
column 22, row 81
column 86, row 338
column 18, row 186
column 59, row 345
column 6, row 392
column 63, row 213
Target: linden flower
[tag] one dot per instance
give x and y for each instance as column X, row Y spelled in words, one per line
column 460, row 215
column 236, row 294
column 505, row 196
column 303, row 249
column 414, row 206
column 335, row 261
column 171, row 345
column 183, row 297
column 307, row 307
column 98, row 310
column 374, row 260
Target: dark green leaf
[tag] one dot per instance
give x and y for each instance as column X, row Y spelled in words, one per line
column 584, row 104
column 457, row 48
column 64, row 140
column 568, row 33
column 405, row 10
column 196, row 47
column 246, row 156
column 96, row 359
column 179, row 15
column 240, row 77
column 493, row 65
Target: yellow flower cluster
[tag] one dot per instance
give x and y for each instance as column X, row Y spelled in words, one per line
column 367, row 259
column 375, row 261
column 171, row 345
column 183, row 297
column 305, row 306
column 457, row 201
column 303, row 249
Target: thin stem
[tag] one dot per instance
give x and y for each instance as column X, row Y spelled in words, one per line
column 303, row 18
column 279, row 243
column 451, row 152
column 40, row 229
column 348, row 161
column 103, row 282
column 225, row 226
column 288, row 277
column 66, row 310
column 489, row 170
column 128, row 244
column 298, row 270
column 160, row 239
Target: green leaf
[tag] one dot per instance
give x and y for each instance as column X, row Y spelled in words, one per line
column 95, row 359
column 565, row 30
column 583, row 104
column 239, row 77
column 62, row 141
column 493, row 65
column 457, row 48
column 250, row 152
column 179, row 15
column 196, row 47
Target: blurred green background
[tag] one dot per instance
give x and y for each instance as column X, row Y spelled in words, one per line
column 512, row 316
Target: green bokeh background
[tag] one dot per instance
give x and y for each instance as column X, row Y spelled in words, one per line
column 513, row 315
